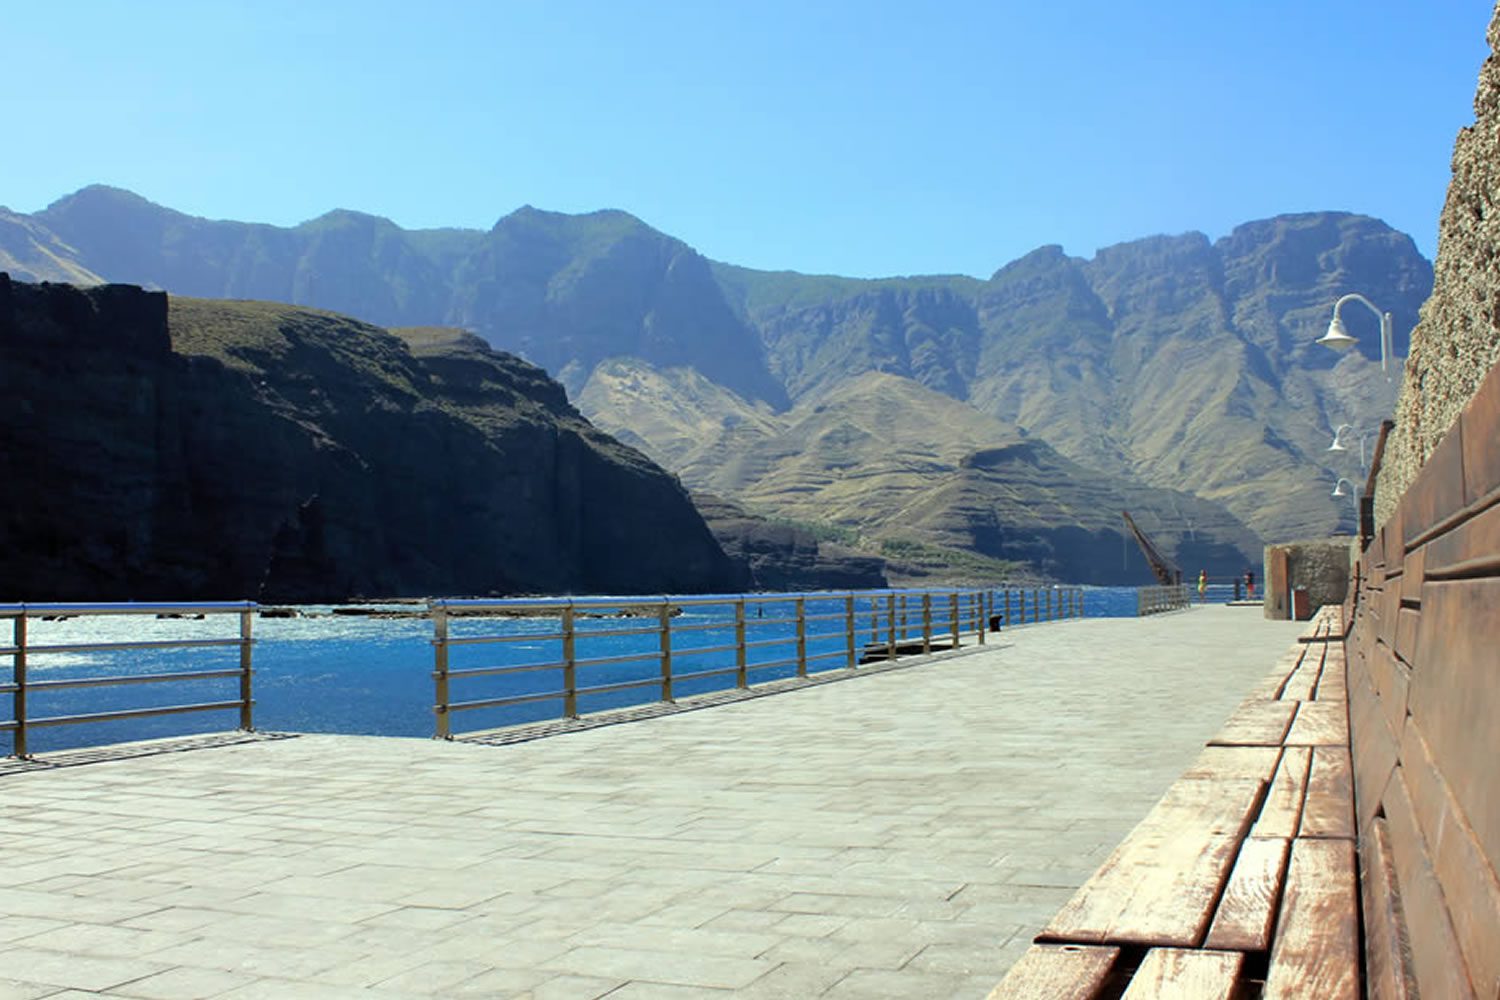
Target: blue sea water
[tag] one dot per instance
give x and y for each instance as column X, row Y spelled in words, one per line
column 356, row 674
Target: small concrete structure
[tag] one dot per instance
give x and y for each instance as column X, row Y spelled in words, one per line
column 902, row 834
column 1319, row 567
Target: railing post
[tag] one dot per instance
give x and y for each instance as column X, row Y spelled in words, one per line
column 1080, row 603
column 664, row 621
column 570, row 664
column 1021, row 603
column 246, row 704
column 440, row 672
column 1007, row 623
column 874, row 620
column 741, row 667
column 903, row 629
column 801, row 637
column 849, row 627
column 926, row 621
column 982, row 599
column 953, row 616
column 890, row 614
column 18, row 700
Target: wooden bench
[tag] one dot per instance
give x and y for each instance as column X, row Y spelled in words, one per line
column 1243, row 880
column 1401, row 688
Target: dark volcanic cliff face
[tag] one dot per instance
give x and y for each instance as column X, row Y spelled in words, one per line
column 229, row 450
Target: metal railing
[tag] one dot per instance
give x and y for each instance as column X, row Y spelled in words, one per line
column 23, row 652
column 1150, row 600
column 588, row 648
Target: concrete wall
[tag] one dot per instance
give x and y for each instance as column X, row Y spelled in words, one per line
column 1458, row 338
column 1321, row 567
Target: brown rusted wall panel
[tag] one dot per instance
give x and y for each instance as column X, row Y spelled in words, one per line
column 1455, row 697
column 1438, row 492
column 1481, row 431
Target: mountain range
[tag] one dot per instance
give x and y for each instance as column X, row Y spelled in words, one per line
column 1174, row 373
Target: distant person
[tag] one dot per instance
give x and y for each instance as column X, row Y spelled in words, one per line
column 1202, row 585
column 1249, row 584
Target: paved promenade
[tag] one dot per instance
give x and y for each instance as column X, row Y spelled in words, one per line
column 901, row 834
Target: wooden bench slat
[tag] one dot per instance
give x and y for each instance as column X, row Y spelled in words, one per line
column 1057, row 972
column 1231, row 763
column 1387, row 951
column 1317, row 939
column 1282, row 811
column 1257, row 723
column 1436, row 959
column 1270, row 687
column 1329, row 807
column 1246, row 911
column 1320, row 723
column 1301, row 685
column 1159, row 886
column 1175, row 974
column 1333, row 685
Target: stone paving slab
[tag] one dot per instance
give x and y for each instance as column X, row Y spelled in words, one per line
column 902, row 834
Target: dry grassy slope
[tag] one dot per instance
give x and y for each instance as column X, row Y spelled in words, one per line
column 902, row 464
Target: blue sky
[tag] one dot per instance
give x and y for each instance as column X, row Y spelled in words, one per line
column 852, row 138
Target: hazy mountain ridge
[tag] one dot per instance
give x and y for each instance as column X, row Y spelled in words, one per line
column 1177, row 361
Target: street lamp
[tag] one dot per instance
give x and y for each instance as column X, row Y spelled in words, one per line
column 1338, row 488
column 1338, row 338
column 1338, row 437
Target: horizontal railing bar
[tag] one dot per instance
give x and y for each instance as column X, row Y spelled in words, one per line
column 126, row 608
column 759, row 643
column 622, row 686
column 699, row 600
column 93, row 647
column 836, row 616
column 758, row 622
column 613, row 633
column 841, row 653
column 600, row 661
column 703, row 627
column 829, row 636
column 519, row 668
column 8, row 725
column 479, row 640
column 514, row 699
column 720, row 672
column 133, row 713
column 772, row 664
column 700, row 650
column 122, row 679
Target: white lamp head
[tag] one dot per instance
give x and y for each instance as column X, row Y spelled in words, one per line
column 1338, row 437
column 1337, row 337
column 1338, row 488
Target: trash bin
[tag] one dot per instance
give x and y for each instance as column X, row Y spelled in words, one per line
column 1301, row 605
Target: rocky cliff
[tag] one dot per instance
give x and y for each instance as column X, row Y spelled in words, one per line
column 1458, row 339
column 186, row 449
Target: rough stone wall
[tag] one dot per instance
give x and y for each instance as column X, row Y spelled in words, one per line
column 1319, row 566
column 1457, row 340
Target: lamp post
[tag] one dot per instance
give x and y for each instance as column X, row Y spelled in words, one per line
column 1338, row 338
column 1339, row 445
column 1340, row 491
